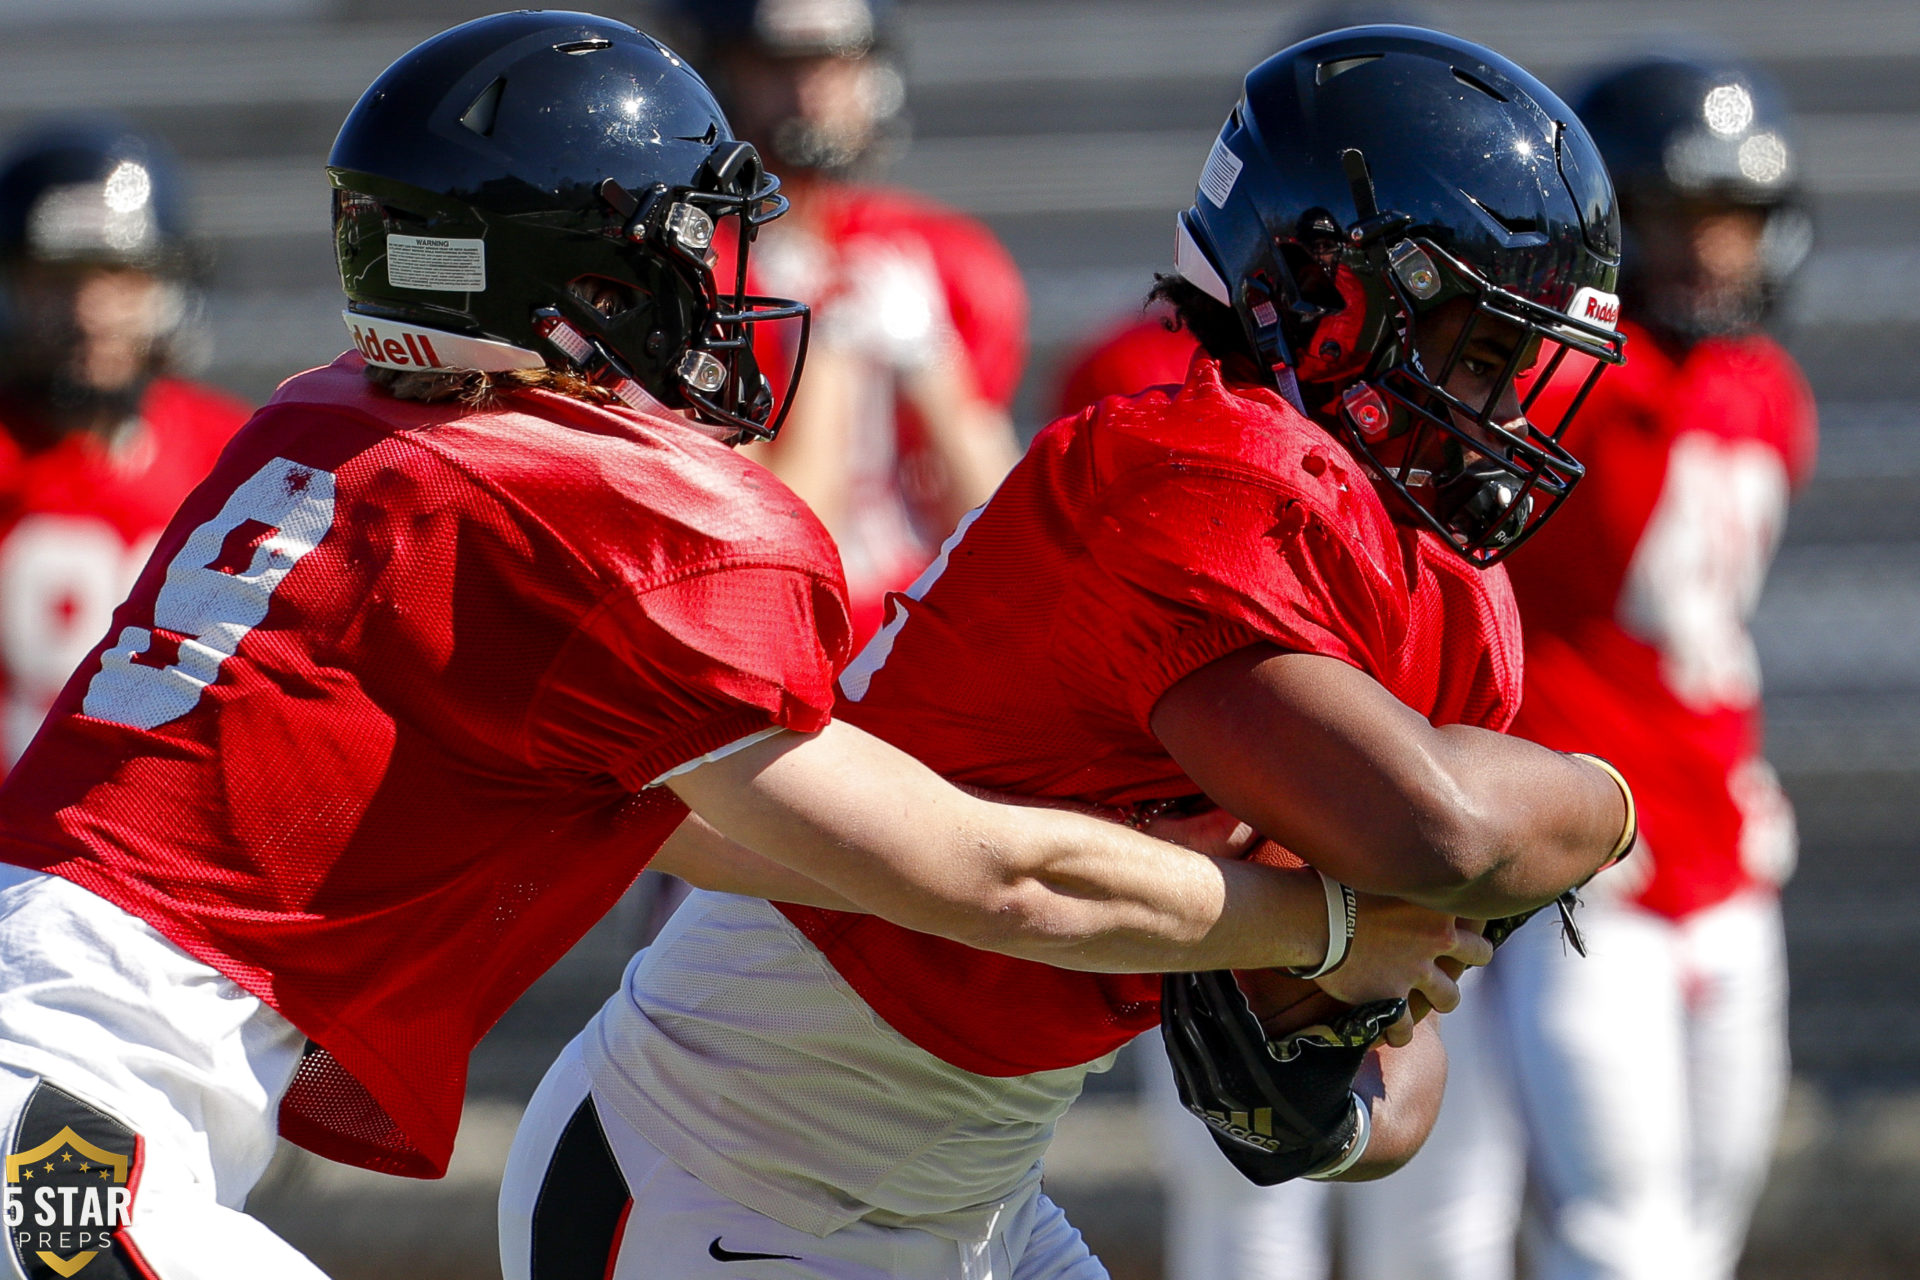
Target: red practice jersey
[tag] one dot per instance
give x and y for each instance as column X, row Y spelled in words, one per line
column 893, row 260
column 372, row 734
column 1135, row 543
column 1637, row 595
column 77, row 519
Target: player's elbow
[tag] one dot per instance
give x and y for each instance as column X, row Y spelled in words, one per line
column 1014, row 916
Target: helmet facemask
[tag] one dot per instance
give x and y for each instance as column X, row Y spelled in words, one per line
column 1474, row 465
column 716, row 372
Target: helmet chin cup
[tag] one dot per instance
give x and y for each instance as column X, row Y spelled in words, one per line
column 1367, row 410
column 1483, row 505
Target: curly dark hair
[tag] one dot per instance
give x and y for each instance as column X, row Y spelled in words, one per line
column 1212, row 323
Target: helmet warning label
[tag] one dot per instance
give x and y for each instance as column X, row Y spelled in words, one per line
column 1222, row 169
column 437, row 263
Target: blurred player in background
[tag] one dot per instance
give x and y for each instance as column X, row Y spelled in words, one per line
column 1199, row 590
column 440, row 655
column 100, row 437
column 1650, row 1074
column 919, row 334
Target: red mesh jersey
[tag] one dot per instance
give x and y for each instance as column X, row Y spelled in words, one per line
column 1134, row 544
column 1637, row 594
column 77, row 519
column 371, row 732
column 894, row 258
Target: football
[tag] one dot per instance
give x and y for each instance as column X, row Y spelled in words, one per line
column 1281, row 1002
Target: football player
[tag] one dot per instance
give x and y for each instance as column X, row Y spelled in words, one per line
column 1651, row 1074
column 1274, row 586
column 437, row 658
column 100, row 437
column 919, row 332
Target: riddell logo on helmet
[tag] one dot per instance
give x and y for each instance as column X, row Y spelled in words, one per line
column 408, row 351
column 1595, row 307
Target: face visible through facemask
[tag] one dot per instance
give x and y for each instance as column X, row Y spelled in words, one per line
column 811, row 112
column 85, row 339
column 1698, row 266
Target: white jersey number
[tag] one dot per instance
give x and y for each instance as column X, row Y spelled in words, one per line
column 1697, row 573
column 60, row 577
column 217, row 589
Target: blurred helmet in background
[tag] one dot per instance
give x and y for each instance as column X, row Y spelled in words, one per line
column 98, row 271
column 542, row 189
column 815, row 84
column 1367, row 179
column 1702, row 152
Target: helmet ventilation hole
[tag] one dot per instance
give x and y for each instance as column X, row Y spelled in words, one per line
column 480, row 115
column 1339, row 66
column 1475, row 82
column 593, row 45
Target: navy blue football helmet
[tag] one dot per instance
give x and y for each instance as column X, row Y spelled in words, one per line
column 548, row 188
column 1369, row 177
column 94, row 190
column 78, row 195
column 785, row 31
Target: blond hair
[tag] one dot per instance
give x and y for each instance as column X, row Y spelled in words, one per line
column 479, row 389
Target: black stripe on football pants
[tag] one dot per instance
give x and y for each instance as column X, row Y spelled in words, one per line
column 582, row 1206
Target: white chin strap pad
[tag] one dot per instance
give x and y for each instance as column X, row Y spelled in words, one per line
column 391, row 344
column 1193, row 267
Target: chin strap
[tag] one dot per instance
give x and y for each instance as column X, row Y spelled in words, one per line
column 593, row 363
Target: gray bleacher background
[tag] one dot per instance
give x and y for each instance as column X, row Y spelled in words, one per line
column 1076, row 129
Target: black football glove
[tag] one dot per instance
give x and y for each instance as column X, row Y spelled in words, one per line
column 1277, row 1109
column 1498, row 931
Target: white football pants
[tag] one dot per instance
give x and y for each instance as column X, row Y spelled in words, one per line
column 585, row 1194
column 1650, row 1076
column 110, row 1030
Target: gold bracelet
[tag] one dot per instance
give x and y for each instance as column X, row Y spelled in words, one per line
column 1630, row 834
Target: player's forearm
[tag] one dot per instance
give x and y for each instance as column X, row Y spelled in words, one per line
column 706, row 859
column 1081, row 894
column 1530, row 823
column 1322, row 758
column 972, row 438
column 810, row 455
column 1402, row 1088
column 869, row 823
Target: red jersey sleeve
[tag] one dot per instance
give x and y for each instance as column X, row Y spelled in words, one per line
column 1193, row 563
column 654, row 679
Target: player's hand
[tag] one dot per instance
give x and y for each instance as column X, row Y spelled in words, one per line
column 887, row 303
column 1398, row 952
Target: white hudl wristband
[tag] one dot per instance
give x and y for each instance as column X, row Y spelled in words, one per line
column 1343, row 912
column 1356, row 1147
